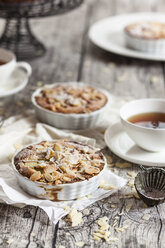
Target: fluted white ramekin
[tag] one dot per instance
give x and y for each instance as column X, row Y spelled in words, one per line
column 69, row 121
column 145, row 45
column 66, row 192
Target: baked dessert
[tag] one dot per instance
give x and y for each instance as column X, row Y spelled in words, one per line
column 146, row 36
column 71, row 99
column 146, row 30
column 59, row 162
column 70, row 105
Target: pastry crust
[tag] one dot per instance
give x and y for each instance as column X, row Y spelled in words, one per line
column 59, row 162
column 69, row 99
column 146, row 30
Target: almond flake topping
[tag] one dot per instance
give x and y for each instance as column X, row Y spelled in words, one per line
column 59, row 162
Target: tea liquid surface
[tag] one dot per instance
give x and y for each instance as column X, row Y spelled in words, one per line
column 150, row 120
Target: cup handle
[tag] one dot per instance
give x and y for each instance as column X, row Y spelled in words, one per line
column 26, row 67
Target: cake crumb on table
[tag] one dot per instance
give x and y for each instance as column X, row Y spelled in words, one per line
column 79, row 244
column 75, row 217
column 146, row 217
column 123, row 165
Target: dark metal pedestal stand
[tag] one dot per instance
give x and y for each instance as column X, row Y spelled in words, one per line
column 17, row 35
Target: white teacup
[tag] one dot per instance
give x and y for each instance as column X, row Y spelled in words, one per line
column 8, row 64
column 150, row 139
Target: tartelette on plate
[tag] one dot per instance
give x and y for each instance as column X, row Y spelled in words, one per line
column 146, row 36
column 70, row 105
column 59, row 169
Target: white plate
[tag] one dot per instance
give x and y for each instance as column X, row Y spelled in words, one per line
column 108, row 34
column 15, row 83
column 120, row 144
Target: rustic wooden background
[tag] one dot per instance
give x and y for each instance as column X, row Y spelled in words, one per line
column 72, row 57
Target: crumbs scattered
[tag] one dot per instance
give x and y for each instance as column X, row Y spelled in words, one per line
column 122, row 77
column 128, row 207
column 79, row 244
column 106, row 186
column 75, row 217
column 106, row 70
column 109, row 159
column 121, row 229
column 67, row 234
column 115, row 171
column 81, row 198
column 131, row 174
column 66, row 208
column 86, row 211
column 39, row 84
column 154, row 79
column 146, row 217
column 103, row 232
column 123, row 165
column 131, row 183
column 9, row 241
column 129, row 195
column 111, row 64
column 19, row 103
column 116, row 218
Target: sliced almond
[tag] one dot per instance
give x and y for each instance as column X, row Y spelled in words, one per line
column 92, row 170
column 75, row 217
column 35, row 176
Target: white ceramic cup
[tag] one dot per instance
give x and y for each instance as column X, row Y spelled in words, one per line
column 10, row 64
column 149, row 139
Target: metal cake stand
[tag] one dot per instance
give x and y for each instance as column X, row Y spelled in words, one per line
column 17, row 34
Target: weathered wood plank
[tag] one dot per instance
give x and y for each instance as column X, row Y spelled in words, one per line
column 15, row 225
column 121, row 76
column 70, row 57
column 63, row 37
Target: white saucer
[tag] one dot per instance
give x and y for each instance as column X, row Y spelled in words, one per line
column 120, row 144
column 108, row 34
column 15, row 83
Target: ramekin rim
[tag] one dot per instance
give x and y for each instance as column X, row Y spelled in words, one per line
column 140, row 127
column 54, row 186
column 72, row 114
column 143, row 38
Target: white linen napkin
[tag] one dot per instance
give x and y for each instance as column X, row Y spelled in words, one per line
column 22, row 130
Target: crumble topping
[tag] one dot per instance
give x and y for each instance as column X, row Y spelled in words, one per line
column 75, row 99
column 147, row 30
column 59, row 162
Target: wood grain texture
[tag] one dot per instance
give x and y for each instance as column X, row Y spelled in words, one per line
column 71, row 56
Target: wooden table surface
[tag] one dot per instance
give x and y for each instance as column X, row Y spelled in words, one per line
column 72, row 57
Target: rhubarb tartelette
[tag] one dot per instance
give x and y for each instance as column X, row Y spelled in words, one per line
column 59, row 169
column 70, row 105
